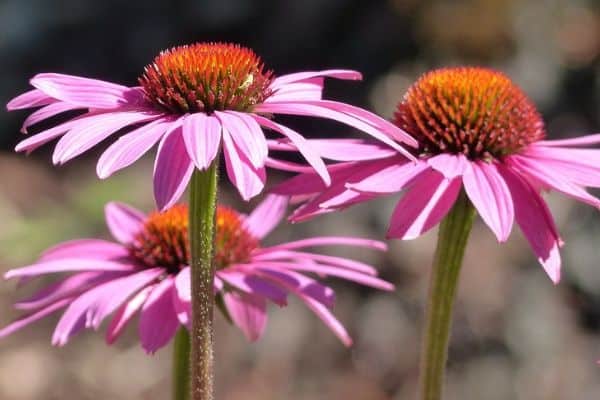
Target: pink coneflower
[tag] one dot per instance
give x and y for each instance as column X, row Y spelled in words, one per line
column 192, row 100
column 477, row 131
column 147, row 272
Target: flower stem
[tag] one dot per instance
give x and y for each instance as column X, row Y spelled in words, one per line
column 203, row 202
column 181, row 365
column 452, row 241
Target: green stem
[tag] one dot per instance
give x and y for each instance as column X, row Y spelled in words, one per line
column 203, row 203
column 181, row 365
column 452, row 241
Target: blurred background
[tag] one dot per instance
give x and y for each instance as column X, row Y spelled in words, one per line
column 515, row 335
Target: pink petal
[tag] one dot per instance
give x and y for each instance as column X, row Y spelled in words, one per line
column 351, row 149
column 389, row 178
column 45, row 112
column 297, row 283
column 82, row 137
column 582, row 166
column 248, row 180
column 123, row 221
column 303, row 76
column 91, row 249
column 578, row 141
column 172, row 169
column 303, row 146
column 85, row 92
column 307, row 89
column 535, row 220
column 248, row 312
column 182, row 297
column 125, row 313
column 304, row 108
column 449, row 165
column 158, row 321
column 24, row 321
column 247, row 136
column 131, row 147
column 491, row 197
column 202, row 137
column 423, row 206
column 327, row 241
column 339, row 262
column 246, row 281
column 67, row 265
column 310, row 182
column 39, row 139
column 32, row 98
column 288, row 166
column 266, row 216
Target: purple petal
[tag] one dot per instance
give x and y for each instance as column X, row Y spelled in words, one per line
column 32, row 98
column 90, row 249
column 131, row 147
column 303, row 146
column 202, row 137
column 82, row 137
column 535, row 220
column 266, row 216
column 90, row 93
column 246, row 281
column 46, row 112
column 248, row 312
column 125, row 313
column 248, row 180
column 123, row 221
column 491, row 197
column 389, row 178
column 67, row 265
column 158, row 321
column 172, row 169
column 24, row 321
column 298, row 283
column 423, row 206
column 247, row 136
column 30, row 144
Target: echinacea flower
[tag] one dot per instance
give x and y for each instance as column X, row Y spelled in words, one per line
column 194, row 101
column 477, row 132
column 147, row 272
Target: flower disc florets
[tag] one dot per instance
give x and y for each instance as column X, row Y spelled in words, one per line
column 206, row 77
column 164, row 239
column 474, row 111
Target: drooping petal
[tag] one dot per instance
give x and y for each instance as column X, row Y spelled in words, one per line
column 576, row 141
column 327, row 241
column 339, row 262
column 248, row 312
column 303, row 76
column 390, row 178
column 536, row 223
column 423, row 206
column 303, row 146
column 248, row 180
column 82, row 137
column 45, row 112
column 351, row 149
column 33, row 317
column 124, row 314
column 449, row 165
column 266, row 216
column 202, row 137
column 91, row 93
column 131, row 147
column 246, row 281
column 307, row 89
column 298, row 283
column 123, row 221
column 247, row 136
column 31, row 143
column 85, row 248
column 29, row 99
column 67, row 265
column 172, row 169
column 491, row 197
column 158, row 321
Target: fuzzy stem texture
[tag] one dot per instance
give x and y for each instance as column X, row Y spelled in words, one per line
column 181, row 365
column 452, row 241
column 203, row 203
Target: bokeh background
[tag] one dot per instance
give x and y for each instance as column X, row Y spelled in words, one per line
column 515, row 335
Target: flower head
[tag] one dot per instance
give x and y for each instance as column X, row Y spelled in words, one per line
column 194, row 101
column 477, row 132
column 147, row 272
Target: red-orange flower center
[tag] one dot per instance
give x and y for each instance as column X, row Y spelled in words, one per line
column 164, row 241
column 206, row 77
column 474, row 111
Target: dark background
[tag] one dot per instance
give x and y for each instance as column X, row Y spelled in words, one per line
column 515, row 335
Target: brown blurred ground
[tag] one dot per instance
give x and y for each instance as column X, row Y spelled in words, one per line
column 515, row 336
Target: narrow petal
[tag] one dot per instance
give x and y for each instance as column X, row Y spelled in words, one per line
column 172, row 169
column 423, row 206
column 449, row 165
column 202, row 137
column 303, row 146
column 582, row 166
column 577, row 141
column 123, row 221
column 248, row 180
column 535, row 220
column 131, row 147
column 339, row 262
column 307, row 89
column 158, row 321
column 125, row 313
column 46, row 112
column 82, row 137
column 390, row 178
column 298, row 283
column 247, row 136
column 243, row 279
column 91, row 93
column 32, row 98
column 31, row 318
column 248, row 312
column 328, row 241
column 33, row 142
column 303, row 76
column 491, row 197
column 91, row 249
column 266, row 216
column 67, row 265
